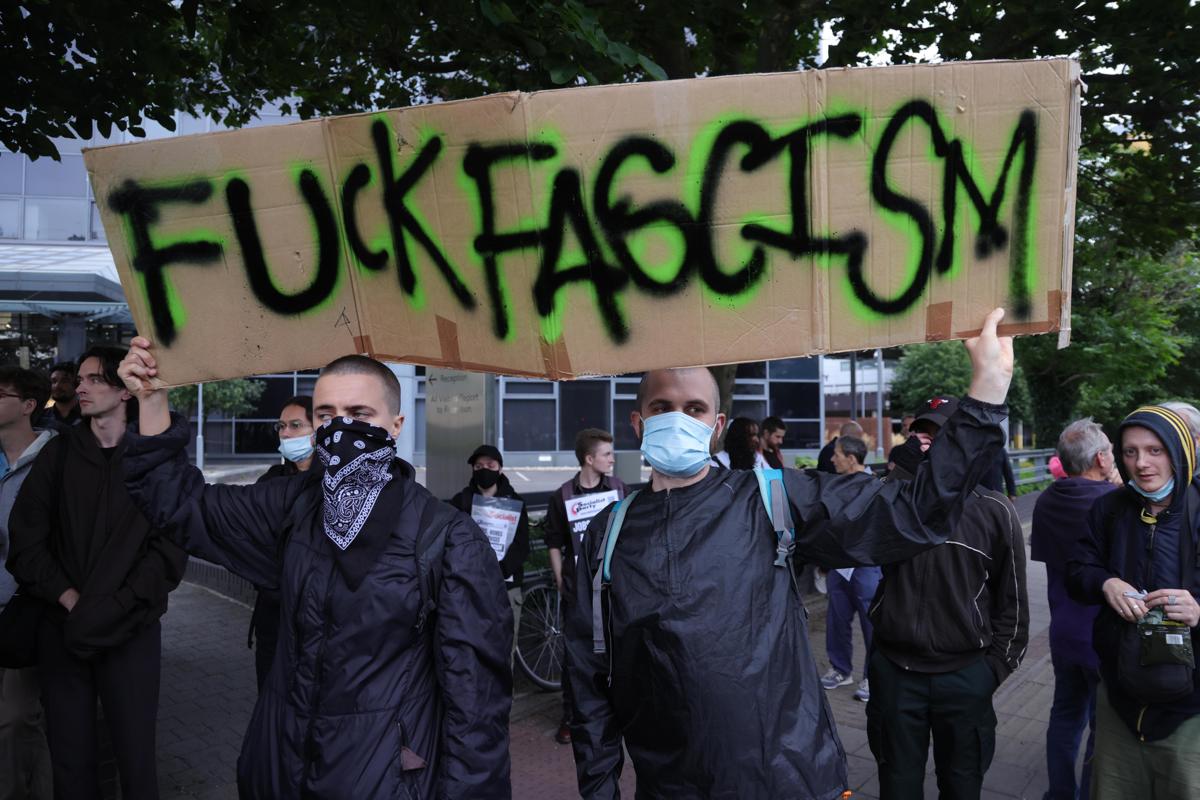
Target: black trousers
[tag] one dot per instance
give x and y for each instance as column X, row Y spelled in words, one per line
column 907, row 707
column 125, row 679
column 264, row 633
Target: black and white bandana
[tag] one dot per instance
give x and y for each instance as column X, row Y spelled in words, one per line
column 356, row 456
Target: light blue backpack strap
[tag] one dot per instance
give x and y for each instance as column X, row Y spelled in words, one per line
column 603, row 576
column 774, row 497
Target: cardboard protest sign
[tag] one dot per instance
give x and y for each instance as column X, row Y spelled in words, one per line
column 609, row 229
column 498, row 518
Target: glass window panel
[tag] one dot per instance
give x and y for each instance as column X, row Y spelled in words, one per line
column 752, row 409
column 97, row 226
column 187, row 124
column 60, row 178
column 528, row 426
column 796, row 400
column 155, row 130
column 115, row 136
column 802, row 434
column 581, row 404
column 795, row 369
column 254, row 437
column 10, row 219
column 56, row 220
column 277, row 392
column 755, row 369
column 263, row 120
column 750, row 388
column 305, row 384
column 529, row 387
column 623, row 436
column 10, row 173
column 626, row 387
column 69, row 145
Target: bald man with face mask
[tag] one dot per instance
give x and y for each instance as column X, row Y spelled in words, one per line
column 691, row 651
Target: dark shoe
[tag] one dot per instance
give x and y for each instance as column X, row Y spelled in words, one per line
column 564, row 735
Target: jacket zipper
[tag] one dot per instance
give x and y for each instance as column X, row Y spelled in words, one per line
column 670, row 543
column 319, row 673
column 921, row 615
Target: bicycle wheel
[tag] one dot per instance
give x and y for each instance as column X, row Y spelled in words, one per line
column 539, row 637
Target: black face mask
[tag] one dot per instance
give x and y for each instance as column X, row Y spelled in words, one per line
column 485, row 478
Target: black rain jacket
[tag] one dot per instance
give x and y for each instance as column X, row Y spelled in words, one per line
column 714, row 689
column 358, row 703
column 513, row 564
column 953, row 604
column 90, row 536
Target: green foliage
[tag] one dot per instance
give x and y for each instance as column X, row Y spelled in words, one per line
column 925, row 370
column 1132, row 316
column 234, row 398
column 71, row 63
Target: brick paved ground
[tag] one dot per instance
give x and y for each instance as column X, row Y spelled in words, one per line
column 208, row 693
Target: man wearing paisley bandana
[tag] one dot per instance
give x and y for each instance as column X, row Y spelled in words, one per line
column 690, row 650
column 379, row 688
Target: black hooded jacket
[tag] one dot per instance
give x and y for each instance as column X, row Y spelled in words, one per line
column 513, row 563
column 947, row 607
column 1115, row 544
column 359, row 701
column 90, row 536
column 709, row 680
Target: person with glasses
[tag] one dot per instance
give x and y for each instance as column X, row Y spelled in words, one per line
column 104, row 571
column 295, row 431
column 24, row 756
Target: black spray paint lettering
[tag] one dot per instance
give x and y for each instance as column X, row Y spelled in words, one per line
column 490, row 244
column 404, row 223
column 139, row 205
column 991, row 236
column 616, row 219
column 237, row 196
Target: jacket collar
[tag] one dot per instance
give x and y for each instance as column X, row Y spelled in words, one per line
column 605, row 485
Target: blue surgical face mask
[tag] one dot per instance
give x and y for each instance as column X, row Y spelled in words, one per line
column 675, row 444
column 296, row 449
column 1154, row 497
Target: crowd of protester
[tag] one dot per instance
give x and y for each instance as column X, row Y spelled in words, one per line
column 385, row 620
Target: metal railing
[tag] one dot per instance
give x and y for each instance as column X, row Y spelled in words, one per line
column 1031, row 467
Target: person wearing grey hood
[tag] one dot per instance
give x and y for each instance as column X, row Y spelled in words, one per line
column 24, row 756
column 1137, row 558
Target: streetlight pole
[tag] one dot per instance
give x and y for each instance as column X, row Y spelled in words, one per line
column 200, row 426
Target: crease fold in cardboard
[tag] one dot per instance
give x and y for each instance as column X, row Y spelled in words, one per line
column 609, row 229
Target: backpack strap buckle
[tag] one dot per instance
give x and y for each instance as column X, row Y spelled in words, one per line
column 603, row 576
column 774, row 497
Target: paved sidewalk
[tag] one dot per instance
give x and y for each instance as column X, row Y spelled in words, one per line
column 208, row 693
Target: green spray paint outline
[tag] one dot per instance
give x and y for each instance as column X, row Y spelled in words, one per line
column 525, row 222
column 418, row 299
column 295, row 168
column 159, row 241
column 551, row 325
column 970, row 161
column 674, row 241
column 693, row 182
column 382, row 237
column 870, row 130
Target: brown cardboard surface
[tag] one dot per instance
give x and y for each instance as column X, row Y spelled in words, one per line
column 622, row 228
